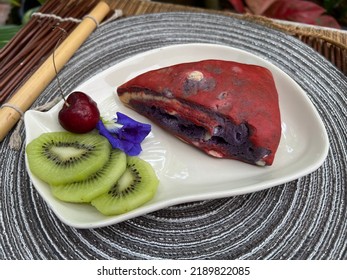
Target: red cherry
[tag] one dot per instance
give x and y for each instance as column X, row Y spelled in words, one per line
column 79, row 114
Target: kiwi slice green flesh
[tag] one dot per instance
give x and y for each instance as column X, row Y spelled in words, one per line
column 64, row 157
column 95, row 185
column 136, row 186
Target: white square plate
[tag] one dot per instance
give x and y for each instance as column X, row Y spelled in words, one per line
column 185, row 173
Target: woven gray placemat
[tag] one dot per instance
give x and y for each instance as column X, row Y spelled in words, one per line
column 302, row 219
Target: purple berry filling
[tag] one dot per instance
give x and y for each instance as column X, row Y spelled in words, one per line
column 227, row 137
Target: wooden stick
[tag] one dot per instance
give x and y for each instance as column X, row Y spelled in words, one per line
column 31, row 90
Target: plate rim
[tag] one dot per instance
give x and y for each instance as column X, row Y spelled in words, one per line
column 158, row 206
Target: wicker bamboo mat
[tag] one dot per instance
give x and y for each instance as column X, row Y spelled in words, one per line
column 332, row 44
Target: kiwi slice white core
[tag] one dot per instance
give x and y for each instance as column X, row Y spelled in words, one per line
column 127, row 182
column 65, row 153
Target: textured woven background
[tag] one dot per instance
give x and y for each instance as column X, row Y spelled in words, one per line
column 303, row 219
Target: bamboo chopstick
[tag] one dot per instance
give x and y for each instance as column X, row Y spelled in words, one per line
column 24, row 97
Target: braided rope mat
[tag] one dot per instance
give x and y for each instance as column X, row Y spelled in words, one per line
column 302, row 219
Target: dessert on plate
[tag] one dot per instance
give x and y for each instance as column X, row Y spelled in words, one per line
column 224, row 108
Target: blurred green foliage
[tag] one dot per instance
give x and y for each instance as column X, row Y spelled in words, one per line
column 19, row 16
column 7, row 32
column 337, row 9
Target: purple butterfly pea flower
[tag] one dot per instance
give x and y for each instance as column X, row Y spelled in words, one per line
column 124, row 133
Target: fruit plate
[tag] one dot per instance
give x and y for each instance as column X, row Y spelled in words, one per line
column 185, row 173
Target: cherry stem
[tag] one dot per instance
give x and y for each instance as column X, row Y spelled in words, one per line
column 55, row 67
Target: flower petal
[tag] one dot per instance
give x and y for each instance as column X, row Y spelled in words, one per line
column 132, row 130
column 112, row 138
column 125, row 120
column 125, row 134
column 130, row 148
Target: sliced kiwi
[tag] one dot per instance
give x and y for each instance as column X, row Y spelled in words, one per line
column 95, row 185
column 64, row 157
column 136, row 186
